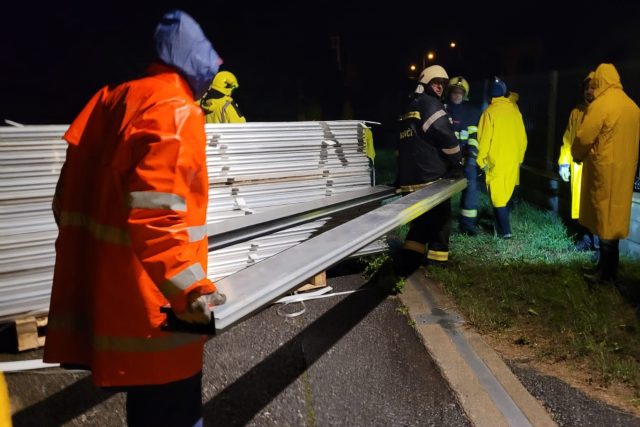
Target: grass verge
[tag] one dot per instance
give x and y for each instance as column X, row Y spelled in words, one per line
column 531, row 288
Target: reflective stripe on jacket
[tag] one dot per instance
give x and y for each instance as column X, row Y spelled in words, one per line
column 132, row 200
column 427, row 146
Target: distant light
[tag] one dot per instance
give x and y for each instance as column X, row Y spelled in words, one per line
column 452, row 44
column 430, row 56
column 412, row 67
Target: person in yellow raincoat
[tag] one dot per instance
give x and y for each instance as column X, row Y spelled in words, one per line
column 607, row 145
column 570, row 170
column 502, row 143
column 217, row 103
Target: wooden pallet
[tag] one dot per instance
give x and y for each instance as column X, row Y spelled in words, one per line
column 317, row 281
column 25, row 333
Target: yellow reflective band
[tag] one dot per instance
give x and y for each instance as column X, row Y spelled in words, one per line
column 71, row 322
column 472, row 129
column 411, row 115
column 453, row 150
column 106, row 233
column 5, row 405
column 431, row 120
column 197, row 233
column 469, row 213
column 181, row 281
column 156, row 200
column 438, row 255
column 457, row 134
column 143, row 345
column 473, row 143
column 464, row 136
column 414, row 246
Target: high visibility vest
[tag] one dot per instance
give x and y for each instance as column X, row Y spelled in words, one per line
column 131, row 208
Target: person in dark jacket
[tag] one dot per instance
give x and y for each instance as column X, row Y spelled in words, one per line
column 465, row 125
column 427, row 151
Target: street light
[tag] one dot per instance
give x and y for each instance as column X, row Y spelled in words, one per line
column 431, row 55
column 412, row 67
column 452, row 44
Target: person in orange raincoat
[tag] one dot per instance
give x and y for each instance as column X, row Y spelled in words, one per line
column 131, row 210
column 607, row 146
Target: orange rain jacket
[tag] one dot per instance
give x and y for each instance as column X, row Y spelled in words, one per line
column 131, row 207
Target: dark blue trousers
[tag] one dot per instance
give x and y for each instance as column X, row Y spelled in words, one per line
column 177, row 404
column 469, row 199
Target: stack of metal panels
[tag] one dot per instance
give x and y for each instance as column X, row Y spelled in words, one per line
column 252, row 167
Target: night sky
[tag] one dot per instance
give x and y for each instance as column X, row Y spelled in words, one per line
column 283, row 53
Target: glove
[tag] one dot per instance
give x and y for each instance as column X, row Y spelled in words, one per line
column 564, row 173
column 199, row 310
column 454, row 172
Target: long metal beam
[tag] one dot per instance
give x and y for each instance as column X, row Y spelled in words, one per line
column 252, row 288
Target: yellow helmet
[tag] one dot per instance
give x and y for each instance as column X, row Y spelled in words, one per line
column 461, row 83
column 224, row 82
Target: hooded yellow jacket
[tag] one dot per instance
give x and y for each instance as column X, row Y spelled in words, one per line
column 502, row 144
column 607, row 144
column 222, row 109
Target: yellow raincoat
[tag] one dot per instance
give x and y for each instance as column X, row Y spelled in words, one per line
column 607, row 143
column 222, row 110
column 502, row 143
column 575, row 118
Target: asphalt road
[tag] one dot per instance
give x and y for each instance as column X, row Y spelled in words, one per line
column 351, row 360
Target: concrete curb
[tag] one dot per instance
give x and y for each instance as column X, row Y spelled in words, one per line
column 489, row 393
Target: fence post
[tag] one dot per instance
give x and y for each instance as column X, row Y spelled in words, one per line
column 551, row 120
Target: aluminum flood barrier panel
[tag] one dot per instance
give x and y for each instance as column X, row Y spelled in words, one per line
column 252, row 288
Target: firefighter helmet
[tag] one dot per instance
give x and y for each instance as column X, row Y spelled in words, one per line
column 433, row 72
column 460, row 82
column 224, row 82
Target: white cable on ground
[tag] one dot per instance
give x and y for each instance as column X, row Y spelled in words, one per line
column 322, row 293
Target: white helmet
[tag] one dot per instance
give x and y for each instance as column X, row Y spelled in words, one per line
column 433, row 72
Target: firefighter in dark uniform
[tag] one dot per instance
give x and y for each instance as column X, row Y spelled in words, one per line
column 427, row 151
column 465, row 125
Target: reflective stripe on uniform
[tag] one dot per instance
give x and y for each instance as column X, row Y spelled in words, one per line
column 142, row 345
column 431, row 120
column 181, row 281
column 472, row 129
column 223, row 113
column 107, row 233
column 453, row 150
column 72, row 322
column 469, row 213
column 197, row 233
column 156, row 200
column 412, row 245
column 413, row 187
column 5, row 403
column 473, row 143
column 438, row 255
column 411, row 115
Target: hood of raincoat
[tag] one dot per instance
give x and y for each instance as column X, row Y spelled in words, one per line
column 181, row 43
column 606, row 77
